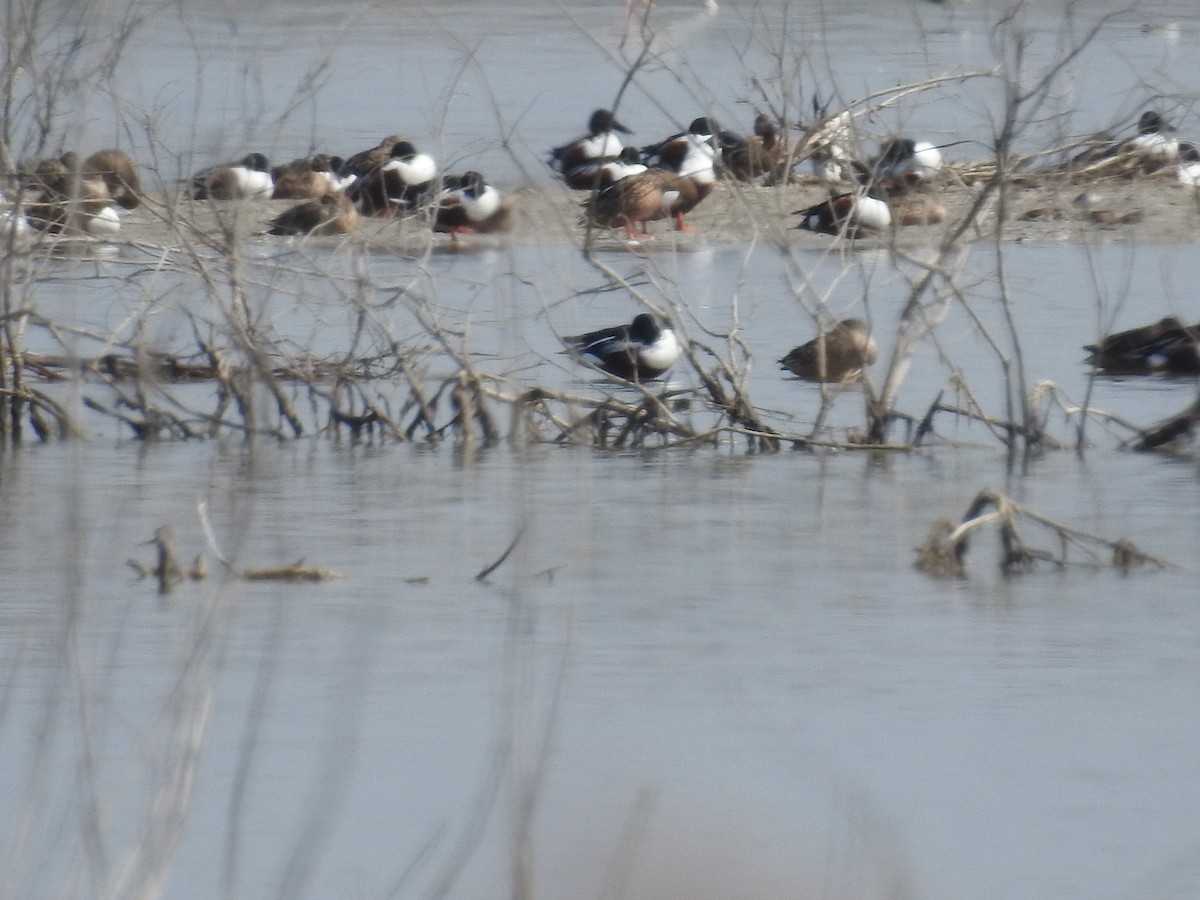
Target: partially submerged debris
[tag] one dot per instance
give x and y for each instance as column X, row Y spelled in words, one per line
column 944, row 553
column 297, row 571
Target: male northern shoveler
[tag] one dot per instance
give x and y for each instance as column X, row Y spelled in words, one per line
column 850, row 214
column 1168, row 347
column 468, row 203
column 904, row 163
column 640, row 351
column 579, row 161
column 367, row 161
column 398, row 185
column 1188, row 170
column 747, row 159
column 839, row 354
column 629, row 162
column 332, row 213
column 119, row 174
column 1154, row 144
column 681, row 177
column 248, row 179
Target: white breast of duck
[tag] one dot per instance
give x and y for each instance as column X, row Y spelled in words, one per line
column 105, row 221
column 614, row 171
column 477, row 199
column 697, row 162
column 661, row 353
column 598, row 146
column 252, row 177
column 1155, row 147
column 871, row 212
column 12, row 220
column 416, row 170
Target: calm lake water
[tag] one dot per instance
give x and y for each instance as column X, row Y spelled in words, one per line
column 700, row 674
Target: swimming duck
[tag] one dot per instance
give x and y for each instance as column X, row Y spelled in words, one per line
column 579, row 161
column 332, row 213
column 468, row 203
column 851, row 214
column 682, row 176
column 119, row 175
column 398, row 185
column 640, row 351
column 839, row 354
column 749, row 158
column 248, row 179
column 1167, row 347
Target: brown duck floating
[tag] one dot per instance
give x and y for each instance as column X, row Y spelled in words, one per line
column 839, row 354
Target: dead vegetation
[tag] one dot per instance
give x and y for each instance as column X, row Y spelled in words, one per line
column 944, row 553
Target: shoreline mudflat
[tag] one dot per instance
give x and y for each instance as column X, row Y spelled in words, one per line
column 1147, row 210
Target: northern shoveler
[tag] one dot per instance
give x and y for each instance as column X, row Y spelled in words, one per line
column 747, row 159
column 682, row 176
column 640, row 351
column 367, row 161
column 1188, row 170
column 849, row 214
column 1167, row 347
column 309, row 178
column 1153, row 145
column 248, row 179
column 119, row 174
column 400, row 184
column 903, row 163
column 629, row 162
column 579, row 161
column 332, row 213
column 467, row 203
column 60, row 199
column 839, row 354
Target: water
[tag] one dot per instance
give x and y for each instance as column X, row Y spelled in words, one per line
column 721, row 672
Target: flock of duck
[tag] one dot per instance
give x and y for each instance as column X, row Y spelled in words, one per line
column 626, row 187
column 69, row 196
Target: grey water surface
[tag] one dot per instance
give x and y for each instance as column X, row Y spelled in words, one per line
column 700, row 673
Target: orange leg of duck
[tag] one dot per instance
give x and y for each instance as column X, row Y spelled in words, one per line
column 681, row 225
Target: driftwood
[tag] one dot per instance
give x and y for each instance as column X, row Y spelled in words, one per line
column 944, row 553
column 1170, row 434
column 297, row 571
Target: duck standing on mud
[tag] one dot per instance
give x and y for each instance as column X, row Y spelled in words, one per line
column 399, row 184
column 467, row 203
column 579, row 162
column 752, row 158
column 681, row 175
column 249, row 179
column 851, row 214
column 60, row 198
column 640, row 351
column 332, row 213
